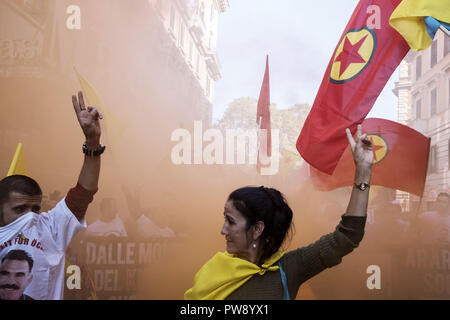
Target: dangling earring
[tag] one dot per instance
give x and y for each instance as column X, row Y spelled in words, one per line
column 254, row 245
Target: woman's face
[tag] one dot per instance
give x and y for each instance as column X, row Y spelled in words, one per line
column 235, row 231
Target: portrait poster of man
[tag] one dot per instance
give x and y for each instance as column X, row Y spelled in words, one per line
column 15, row 275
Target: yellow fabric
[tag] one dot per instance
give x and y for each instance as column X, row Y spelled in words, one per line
column 18, row 165
column 224, row 273
column 114, row 127
column 408, row 17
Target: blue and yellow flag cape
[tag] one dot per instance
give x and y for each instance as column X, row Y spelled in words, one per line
column 418, row 21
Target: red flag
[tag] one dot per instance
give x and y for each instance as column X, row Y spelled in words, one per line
column 368, row 53
column 263, row 121
column 400, row 159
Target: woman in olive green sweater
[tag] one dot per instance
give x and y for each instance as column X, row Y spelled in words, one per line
column 257, row 220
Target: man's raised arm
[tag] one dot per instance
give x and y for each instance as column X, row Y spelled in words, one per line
column 78, row 198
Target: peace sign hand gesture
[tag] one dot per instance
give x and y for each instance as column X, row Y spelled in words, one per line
column 89, row 119
column 362, row 149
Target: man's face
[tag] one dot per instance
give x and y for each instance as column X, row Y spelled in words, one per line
column 18, row 205
column 15, row 276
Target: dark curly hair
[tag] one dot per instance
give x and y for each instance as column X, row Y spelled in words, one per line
column 20, row 184
column 269, row 206
column 19, row 255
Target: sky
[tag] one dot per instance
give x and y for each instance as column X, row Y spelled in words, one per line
column 299, row 36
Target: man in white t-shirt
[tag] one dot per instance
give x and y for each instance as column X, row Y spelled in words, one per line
column 109, row 223
column 44, row 237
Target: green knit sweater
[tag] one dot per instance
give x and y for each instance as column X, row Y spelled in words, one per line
column 302, row 264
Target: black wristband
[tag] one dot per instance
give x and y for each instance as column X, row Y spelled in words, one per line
column 93, row 153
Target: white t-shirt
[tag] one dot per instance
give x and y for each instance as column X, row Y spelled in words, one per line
column 104, row 229
column 45, row 237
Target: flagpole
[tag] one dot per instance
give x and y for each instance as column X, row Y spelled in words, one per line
column 260, row 125
column 266, row 178
column 259, row 143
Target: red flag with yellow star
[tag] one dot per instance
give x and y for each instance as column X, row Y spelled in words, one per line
column 400, row 159
column 367, row 54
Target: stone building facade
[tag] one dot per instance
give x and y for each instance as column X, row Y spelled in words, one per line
column 423, row 92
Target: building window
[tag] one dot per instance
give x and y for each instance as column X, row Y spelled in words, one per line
column 172, row 18
column 212, row 12
column 433, row 54
column 418, row 108
column 182, row 36
column 208, row 87
column 433, row 102
column 190, row 51
column 446, row 45
column 202, row 13
column 197, row 64
column 448, row 92
column 418, row 67
column 159, row 5
column 433, row 159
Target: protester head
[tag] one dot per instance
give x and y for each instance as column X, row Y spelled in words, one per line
column 443, row 203
column 15, row 274
column 256, row 218
column 19, row 195
column 108, row 209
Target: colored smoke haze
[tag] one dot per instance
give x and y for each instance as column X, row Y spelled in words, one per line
column 123, row 54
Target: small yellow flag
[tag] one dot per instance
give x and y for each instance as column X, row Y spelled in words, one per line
column 18, row 166
column 89, row 92
column 114, row 126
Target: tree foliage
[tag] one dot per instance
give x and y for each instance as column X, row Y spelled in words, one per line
column 241, row 114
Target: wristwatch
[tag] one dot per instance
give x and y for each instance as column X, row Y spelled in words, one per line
column 93, row 153
column 362, row 186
